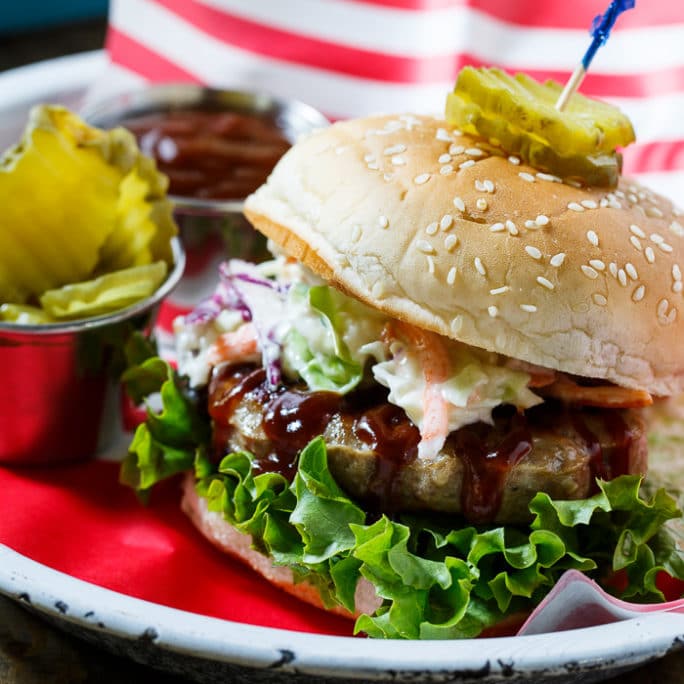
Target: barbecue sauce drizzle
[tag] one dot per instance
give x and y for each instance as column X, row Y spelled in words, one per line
column 292, row 418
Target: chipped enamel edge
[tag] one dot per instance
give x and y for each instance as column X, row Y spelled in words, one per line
column 547, row 655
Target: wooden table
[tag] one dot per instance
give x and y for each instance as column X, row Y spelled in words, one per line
column 33, row 652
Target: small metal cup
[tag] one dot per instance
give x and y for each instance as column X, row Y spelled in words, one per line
column 60, row 394
column 211, row 229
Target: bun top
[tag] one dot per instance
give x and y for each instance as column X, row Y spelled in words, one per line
column 445, row 231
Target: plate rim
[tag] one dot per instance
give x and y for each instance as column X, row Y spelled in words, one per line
column 69, row 72
column 100, row 610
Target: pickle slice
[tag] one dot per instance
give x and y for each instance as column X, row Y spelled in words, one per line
column 105, row 294
column 24, row 315
column 519, row 114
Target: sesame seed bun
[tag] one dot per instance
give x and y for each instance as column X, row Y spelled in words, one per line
column 446, row 232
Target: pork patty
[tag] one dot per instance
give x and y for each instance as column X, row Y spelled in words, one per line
column 487, row 473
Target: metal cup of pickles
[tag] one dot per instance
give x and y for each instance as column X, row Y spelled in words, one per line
column 216, row 146
column 87, row 253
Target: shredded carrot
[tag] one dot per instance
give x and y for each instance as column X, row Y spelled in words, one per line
column 234, row 346
column 436, row 365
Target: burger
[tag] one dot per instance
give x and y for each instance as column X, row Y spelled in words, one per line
column 432, row 401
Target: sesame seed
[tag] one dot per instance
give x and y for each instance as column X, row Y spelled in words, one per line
column 530, row 308
column 444, row 158
column 526, row 176
column 638, row 293
column 474, row 152
column 622, row 277
column 649, row 254
column 459, row 204
column 514, row 160
column 533, row 252
column 631, row 271
column 530, row 224
column 677, row 286
column 599, row 299
column 388, row 177
column 603, row 203
column 589, row 204
column 443, row 135
column 542, row 220
column 425, row 247
column 597, row 264
column 593, row 238
column 383, row 221
column 497, row 227
column 613, row 268
column 620, row 194
column 662, row 307
column 456, row 324
column 466, row 164
column 589, row 271
column 637, row 231
column 479, row 266
column 557, row 260
column 356, row 233
column 451, row 276
column 432, row 228
column 665, row 247
column 450, row 241
column 653, row 212
column 369, row 158
column 446, row 169
column 499, row 290
column 635, row 242
column 489, row 185
column 676, row 272
column 456, row 149
column 398, row 160
column 511, row 227
column 421, row 178
column 481, row 203
column 431, row 265
column 446, row 222
column 493, row 311
column 394, row 149
column 677, row 228
column 545, row 282
column 548, row 177
column 655, row 237
column 479, row 186
column 374, row 166
column 575, row 207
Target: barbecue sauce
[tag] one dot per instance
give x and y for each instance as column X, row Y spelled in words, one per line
column 291, row 418
column 488, row 454
column 210, row 154
column 605, row 465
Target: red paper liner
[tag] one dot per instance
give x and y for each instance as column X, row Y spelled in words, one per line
column 79, row 520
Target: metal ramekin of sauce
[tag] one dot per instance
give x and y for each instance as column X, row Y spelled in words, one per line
column 216, row 147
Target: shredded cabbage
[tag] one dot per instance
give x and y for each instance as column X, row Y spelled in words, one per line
column 312, row 332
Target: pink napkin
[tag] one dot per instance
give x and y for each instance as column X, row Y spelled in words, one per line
column 576, row 601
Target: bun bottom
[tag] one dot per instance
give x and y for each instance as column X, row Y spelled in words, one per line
column 225, row 537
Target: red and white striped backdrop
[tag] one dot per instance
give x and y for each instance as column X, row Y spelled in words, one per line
column 355, row 57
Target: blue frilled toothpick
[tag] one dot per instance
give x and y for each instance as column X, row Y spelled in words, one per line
column 600, row 30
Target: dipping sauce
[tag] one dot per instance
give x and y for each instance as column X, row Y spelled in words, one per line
column 210, row 154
